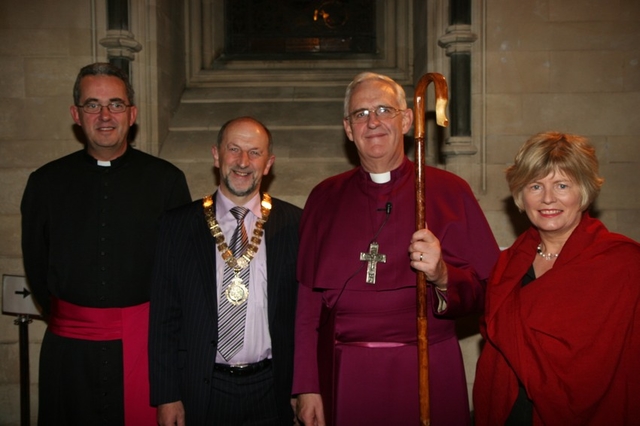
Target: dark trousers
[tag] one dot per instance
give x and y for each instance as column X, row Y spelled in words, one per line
column 80, row 382
column 245, row 400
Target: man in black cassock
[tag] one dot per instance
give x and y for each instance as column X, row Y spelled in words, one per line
column 89, row 224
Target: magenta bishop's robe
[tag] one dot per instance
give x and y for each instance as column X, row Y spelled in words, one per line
column 358, row 347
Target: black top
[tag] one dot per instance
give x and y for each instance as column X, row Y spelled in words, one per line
column 522, row 410
column 89, row 231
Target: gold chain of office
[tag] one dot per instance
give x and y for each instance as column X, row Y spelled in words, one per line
column 241, row 262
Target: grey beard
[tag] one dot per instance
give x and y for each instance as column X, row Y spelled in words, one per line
column 236, row 192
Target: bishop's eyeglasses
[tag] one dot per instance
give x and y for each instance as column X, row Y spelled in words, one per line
column 382, row 112
column 115, row 107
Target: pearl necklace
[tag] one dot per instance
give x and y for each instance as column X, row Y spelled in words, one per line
column 546, row 256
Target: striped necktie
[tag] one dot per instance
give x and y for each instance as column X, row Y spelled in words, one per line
column 231, row 318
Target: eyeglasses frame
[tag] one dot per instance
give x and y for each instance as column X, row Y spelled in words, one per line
column 108, row 106
column 374, row 111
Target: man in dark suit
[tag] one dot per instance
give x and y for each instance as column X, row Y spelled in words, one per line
column 223, row 304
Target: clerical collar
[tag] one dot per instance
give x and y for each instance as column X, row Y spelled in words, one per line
column 380, row 177
column 116, row 162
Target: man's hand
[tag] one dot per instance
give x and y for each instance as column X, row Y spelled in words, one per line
column 171, row 414
column 294, row 406
column 426, row 256
column 309, row 409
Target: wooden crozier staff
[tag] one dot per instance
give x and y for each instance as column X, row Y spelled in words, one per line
column 442, row 97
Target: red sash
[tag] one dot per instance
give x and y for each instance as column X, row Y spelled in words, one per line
column 130, row 325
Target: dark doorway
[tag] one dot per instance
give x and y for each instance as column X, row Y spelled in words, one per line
column 299, row 28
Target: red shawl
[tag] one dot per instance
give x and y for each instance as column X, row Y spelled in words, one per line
column 571, row 337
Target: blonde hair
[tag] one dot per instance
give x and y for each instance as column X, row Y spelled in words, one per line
column 550, row 152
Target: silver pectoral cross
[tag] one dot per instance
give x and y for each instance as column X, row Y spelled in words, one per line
column 372, row 258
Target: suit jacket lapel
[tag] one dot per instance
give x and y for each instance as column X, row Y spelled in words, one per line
column 206, row 252
column 270, row 230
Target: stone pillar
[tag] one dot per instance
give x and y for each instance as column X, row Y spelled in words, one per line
column 120, row 43
column 457, row 42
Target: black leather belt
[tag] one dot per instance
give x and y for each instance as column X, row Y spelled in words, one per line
column 243, row 369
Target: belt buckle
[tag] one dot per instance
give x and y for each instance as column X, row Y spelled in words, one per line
column 243, row 370
column 240, row 368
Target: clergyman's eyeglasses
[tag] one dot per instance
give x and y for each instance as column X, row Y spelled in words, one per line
column 382, row 112
column 95, row 108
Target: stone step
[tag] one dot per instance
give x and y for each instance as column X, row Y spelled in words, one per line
column 328, row 143
column 280, row 108
column 301, row 157
column 293, row 114
column 231, row 93
column 305, row 122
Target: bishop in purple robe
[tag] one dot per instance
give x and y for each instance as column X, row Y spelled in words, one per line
column 356, row 356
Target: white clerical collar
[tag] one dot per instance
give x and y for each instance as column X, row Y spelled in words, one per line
column 104, row 163
column 380, row 177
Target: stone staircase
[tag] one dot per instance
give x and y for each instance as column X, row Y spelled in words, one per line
column 306, row 124
column 305, row 121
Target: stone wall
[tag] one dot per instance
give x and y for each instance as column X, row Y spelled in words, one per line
column 158, row 72
column 42, row 46
column 571, row 66
column 171, row 71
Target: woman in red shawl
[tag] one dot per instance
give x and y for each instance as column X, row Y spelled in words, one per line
column 562, row 313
